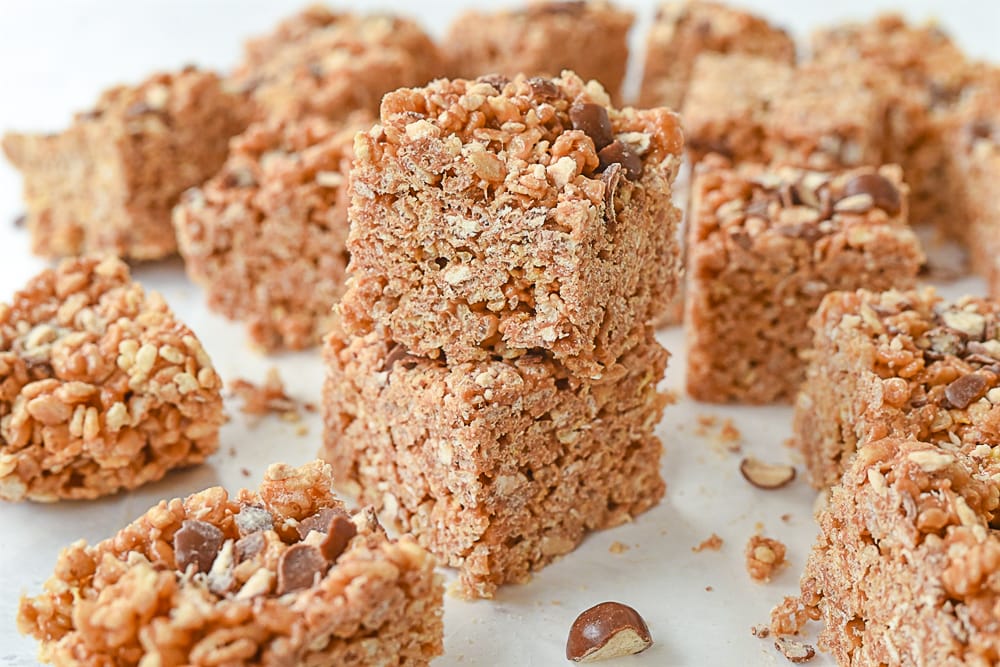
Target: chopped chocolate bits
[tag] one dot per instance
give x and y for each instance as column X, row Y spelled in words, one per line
column 543, row 88
column 607, row 630
column 249, row 546
column 338, row 535
column 20, row 220
column 592, row 120
column 966, row 389
column 884, row 194
column 253, row 519
column 320, row 521
column 619, row 152
column 298, row 568
column 197, row 543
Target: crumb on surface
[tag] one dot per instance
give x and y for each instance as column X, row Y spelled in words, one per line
column 711, row 543
column 267, row 398
column 617, row 547
column 764, row 557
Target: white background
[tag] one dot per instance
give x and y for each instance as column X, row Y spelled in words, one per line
column 55, row 57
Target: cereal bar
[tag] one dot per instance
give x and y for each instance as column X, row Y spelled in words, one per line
column 497, row 467
column 107, row 184
column 765, row 244
column 266, row 237
column 101, row 388
column 502, row 216
column 281, row 576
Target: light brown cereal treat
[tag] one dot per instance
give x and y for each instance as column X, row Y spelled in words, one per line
column 683, row 30
column 973, row 158
column 331, row 64
column 765, row 244
column 497, row 467
column 107, row 183
column 903, row 571
column 899, row 364
column 934, row 72
column 266, row 236
column 756, row 109
column 765, row 556
column 282, row 576
column 496, row 217
column 101, row 388
column 542, row 39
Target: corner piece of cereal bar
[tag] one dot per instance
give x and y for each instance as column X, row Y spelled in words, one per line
column 281, row 576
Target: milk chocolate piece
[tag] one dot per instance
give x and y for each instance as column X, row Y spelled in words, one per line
column 618, row 152
column 320, row 521
column 592, row 120
column 607, row 630
column 338, row 535
column 882, row 191
column 298, row 567
column 197, row 542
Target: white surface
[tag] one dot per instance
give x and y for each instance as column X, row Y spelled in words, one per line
column 56, row 56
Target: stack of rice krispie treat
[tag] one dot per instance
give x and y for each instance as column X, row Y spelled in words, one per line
column 684, row 30
column 492, row 383
column 101, row 388
column 542, row 39
column 266, row 236
column 281, row 576
column 107, row 184
column 332, row 64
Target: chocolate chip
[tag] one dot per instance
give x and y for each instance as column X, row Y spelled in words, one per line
column 298, row 567
column 592, row 120
column 197, row 542
column 966, row 389
column 320, row 521
column 543, row 88
column 619, row 152
column 338, row 535
column 607, row 630
column 249, row 546
column 882, row 191
column 789, row 195
column 251, row 519
column 20, row 220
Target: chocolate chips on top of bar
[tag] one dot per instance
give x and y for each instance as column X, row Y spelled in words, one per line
column 297, row 553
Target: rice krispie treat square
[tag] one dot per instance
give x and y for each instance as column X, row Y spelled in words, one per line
column 765, row 244
column 904, row 569
column 542, row 39
column 101, row 388
column 107, row 183
column 934, row 72
column 266, row 237
column 281, row 576
column 497, row 467
column 753, row 109
column 683, row 30
column 496, row 217
column 898, row 364
column 331, row 64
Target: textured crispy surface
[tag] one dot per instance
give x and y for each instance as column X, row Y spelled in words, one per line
column 480, row 226
column 266, row 236
column 883, row 365
column 331, row 64
column 815, row 116
column 497, row 467
column 108, row 182
column 764, row 246
column 682, row 31
column 101, row 389
column 904, row 569
column 124, row 601
column 933, row 72
column 542, row 39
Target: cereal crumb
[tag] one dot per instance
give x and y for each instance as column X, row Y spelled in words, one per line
column 265, row 399
column 712, row 543
column 760, row 631
column 618, row 547
column 301, row 430
column 794, row 651
column 245, row 472
column 764, row 557
column 787, row 518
